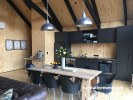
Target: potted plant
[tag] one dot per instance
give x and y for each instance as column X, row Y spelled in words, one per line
column 63, row 53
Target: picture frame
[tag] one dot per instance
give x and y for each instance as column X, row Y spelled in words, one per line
column 16, row 44
column 9, row 44
column 23, row 44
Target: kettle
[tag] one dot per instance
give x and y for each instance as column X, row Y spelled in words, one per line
column 39, row 54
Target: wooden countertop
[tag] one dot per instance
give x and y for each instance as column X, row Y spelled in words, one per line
column 80, row 73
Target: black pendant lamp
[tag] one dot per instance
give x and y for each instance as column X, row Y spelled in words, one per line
column 47, row 26
column 84, row 21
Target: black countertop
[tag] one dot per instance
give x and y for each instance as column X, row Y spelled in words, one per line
column 102, row 58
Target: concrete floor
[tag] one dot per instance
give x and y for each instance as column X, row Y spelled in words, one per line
column 123, row 93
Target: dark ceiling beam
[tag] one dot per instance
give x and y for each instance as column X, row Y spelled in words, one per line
column 71, row 11
column 42, row 13
column 27, row 5
column 125, row 11
column 90, row 9
column 95, row 9
column 19, row 12
column 52, row 14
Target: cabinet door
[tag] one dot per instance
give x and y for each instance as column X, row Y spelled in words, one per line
column 60, row 37
column 130, row 54
column 75, row 37
column 112, row 35
column 122, row 52
column 103, row 36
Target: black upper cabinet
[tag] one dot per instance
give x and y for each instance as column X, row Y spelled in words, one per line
column 75, row 37
column 60, row 37
column 112, row 35
column 107, row 35
column 102, row 36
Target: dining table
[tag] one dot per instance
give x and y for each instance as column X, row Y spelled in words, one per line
column 87, row 76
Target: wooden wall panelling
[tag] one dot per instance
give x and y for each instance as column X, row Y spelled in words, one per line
column 107, row 50
column 130, row 9
column 110, row 10
column 23, row 8
column 15, row 29
column 112, row 24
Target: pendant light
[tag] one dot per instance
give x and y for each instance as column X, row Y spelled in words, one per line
column 47, row 26
column 84, row 21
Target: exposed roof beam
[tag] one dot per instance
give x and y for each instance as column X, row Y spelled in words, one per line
column 90, row 9
column 27, row 5
column 42, row 13
column 95, row 9
column 71, row 11
column 52, row 14
column 19, row 12
column 125, row 11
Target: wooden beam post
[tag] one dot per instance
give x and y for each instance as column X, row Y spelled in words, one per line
column 90, row 9
column 19, row 12
column 27, row 5
column 95, row 9
column 71, row 11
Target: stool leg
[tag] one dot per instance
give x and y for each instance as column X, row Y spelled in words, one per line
column 79, row 95
column 95, row 96
column 61, row 94
column 109, row 96
column 54, row 93
column 71, row 96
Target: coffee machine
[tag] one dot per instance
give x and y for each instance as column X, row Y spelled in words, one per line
column 39, row 54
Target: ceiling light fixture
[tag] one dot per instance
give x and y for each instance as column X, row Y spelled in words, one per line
column 47, row 26
column 84, row 21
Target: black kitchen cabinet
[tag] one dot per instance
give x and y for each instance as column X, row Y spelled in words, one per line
column 107, row 35
column 86, row 63
column 103, row 36
column 125, row 53
column 60, row 37
column 75, row 37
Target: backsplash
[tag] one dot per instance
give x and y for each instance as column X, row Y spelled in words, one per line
column 107, row 50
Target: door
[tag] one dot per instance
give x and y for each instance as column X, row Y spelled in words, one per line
column 122, row 52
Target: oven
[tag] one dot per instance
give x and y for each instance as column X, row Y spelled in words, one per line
column 70, row 61
column 105, row 66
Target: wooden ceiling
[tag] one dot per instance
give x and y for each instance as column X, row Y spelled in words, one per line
column 108, row 10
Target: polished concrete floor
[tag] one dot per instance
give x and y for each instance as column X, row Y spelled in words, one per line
column 121, row 89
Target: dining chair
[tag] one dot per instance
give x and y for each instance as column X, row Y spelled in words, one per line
column 37, row 78
column 51, row 82
column 29, row 72
column 67, row 86
column 105, row 84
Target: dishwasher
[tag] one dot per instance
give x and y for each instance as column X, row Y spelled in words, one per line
column 70, row 61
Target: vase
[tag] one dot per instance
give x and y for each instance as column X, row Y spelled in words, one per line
column 63, row 63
